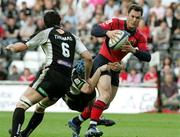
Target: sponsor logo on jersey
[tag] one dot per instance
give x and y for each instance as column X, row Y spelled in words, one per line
column 64, row 63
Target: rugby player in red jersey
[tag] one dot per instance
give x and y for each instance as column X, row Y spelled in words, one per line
column 109, row 81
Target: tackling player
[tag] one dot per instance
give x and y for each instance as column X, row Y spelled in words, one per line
column 54, row 80
column 109, row 81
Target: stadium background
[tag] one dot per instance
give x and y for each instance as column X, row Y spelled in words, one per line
column 19, row 19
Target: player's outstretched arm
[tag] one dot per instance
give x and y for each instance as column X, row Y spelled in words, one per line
column 17, row 47
column 116, row 66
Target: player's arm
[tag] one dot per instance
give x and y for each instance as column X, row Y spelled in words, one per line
column 16, row 47
column 105, row 29
column 115, row 66
column 35, row 41
column 142, row 53
column 88, row 63
column 85, row 54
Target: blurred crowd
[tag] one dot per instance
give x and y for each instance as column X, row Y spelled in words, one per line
column 19, row 19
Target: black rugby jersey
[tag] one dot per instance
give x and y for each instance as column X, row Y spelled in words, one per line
column 58, row 48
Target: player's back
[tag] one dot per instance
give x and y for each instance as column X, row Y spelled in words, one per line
column 60, row 49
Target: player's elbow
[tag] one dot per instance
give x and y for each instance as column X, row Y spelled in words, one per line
column 88, row 59
column 98, row 31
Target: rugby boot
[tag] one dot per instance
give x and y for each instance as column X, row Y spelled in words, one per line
column 75, row 128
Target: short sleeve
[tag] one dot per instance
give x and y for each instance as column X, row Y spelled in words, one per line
column 80, row 47
column 39, row 39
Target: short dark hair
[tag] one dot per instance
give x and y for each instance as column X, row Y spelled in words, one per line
column 135, row 7
column 51, row 18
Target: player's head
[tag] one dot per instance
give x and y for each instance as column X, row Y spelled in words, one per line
column 135, row 13
column 51, row 18
column 80, row 68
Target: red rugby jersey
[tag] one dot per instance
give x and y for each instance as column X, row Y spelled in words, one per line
column 137, row 40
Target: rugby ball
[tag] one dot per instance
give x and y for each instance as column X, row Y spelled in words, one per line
column 120, row 39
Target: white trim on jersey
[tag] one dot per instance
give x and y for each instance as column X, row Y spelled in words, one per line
column 80, row 47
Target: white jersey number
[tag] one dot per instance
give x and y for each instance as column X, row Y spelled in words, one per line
column 65, row 50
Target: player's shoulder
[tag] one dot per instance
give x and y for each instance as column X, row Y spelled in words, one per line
column 120, row 20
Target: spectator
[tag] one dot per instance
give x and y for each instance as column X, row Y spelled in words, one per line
column 167, row 61
column 70, row 17
column 158, row 9
column 110, row 8
column 27, row 75
column 49, row 5
column 37, row 10
column 99, row 9
column 151, row 75
column 11, row 28
column 14, row 75
column 134, row 77
column 123, row 75
column 153, row 22
column 170, row 97
column 124, row 6
column 161, row 37
column 39, row 25
column 65, row 4
column 176, row 28
column 69, row 27
column 11, row 11
column 85, row 12
column 177, row 68
column 170, row 19
column 25, row 8
column 145, row 30
column 145, row 9
column 28, row 29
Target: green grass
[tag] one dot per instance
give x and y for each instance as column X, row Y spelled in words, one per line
column 127, row 125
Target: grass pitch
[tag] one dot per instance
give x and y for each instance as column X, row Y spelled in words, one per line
column 127, row 125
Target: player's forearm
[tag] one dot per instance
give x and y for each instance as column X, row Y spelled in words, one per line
column 95, row 78
column 17, row 47
column 143, row 55
column 88, row 67
column 98, row 31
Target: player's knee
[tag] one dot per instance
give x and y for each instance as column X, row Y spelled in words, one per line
column 40, row 107
column 105, row 97
column 24, row 102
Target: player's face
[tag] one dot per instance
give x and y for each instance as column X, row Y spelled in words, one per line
column 133, row 19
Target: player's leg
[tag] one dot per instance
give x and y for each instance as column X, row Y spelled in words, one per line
column 102, row 120
column 75, row 123
column 37, row 116
column 104, row 88
column 29, row 98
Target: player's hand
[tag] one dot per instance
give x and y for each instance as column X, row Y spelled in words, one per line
column 112, row 34
column 105, row 67
column 128, row 48
column 115, row 66
column 10, row 48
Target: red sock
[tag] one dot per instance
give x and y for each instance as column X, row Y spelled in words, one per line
column 86, row 113
column 97, row 110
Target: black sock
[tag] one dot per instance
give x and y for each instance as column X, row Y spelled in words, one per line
column 77, row 121
column 18, row 119
column 33, row 123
